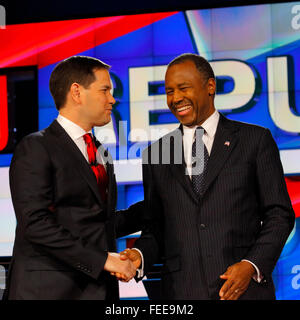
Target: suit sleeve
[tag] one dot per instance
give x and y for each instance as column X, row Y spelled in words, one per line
column 151, row 241
column 32, row 190
column 130, row 220
column 277, row 215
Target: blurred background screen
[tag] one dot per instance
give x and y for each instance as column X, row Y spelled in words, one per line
column 254, row 51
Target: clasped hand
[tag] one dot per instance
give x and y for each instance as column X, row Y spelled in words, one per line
column 124, row 265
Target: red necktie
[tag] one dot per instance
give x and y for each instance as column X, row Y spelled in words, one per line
column 98, row 169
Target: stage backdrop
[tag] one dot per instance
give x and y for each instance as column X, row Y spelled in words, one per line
column 254, row 51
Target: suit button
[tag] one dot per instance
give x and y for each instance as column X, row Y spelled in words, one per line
column 202, row 226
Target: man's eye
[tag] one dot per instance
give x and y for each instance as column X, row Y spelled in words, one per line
column 169, row 92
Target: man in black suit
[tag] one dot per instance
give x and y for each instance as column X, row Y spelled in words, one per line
column 64, row 190
column 218, row 217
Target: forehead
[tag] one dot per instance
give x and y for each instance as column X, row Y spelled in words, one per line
column 183, row 72
column 102, row 77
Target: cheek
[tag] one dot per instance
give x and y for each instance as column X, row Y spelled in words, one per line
column 102, row 100
column 169, row 102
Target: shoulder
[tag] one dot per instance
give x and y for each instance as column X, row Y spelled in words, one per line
column 252, row 135
column 247, row 130
column 40, row 137
column 245, row 126
column 177, row 133
column 35, row 138
column 33, row 145
column 174, row 136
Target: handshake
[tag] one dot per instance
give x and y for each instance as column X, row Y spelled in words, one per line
column 124, row 265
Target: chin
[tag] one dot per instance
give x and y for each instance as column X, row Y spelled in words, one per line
column 103, row 122
column 106, row 122
column 187, row 122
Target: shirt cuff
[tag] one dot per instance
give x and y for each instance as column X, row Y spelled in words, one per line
column 140, row 271
column 258, row 277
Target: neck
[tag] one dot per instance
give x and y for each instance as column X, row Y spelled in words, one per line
column 75, row 118
column 210, row 113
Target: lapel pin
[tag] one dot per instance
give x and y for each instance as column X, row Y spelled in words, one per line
column 227, row 143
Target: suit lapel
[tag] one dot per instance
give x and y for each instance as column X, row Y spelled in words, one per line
column 179, row 170
column 76, row 157
column 183, row 177
column 110, row 173
column 224, row 142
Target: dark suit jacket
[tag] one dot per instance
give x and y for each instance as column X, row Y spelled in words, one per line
column 64, row 230
column 244, row 213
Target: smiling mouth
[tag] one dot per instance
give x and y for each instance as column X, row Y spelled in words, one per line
column 183, row 110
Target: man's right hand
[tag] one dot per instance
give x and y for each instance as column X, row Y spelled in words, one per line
column 125, row 268
column 133, row 255
column 128, row 254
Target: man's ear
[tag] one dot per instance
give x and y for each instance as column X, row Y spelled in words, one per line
column 211, row 85
column 75, row 92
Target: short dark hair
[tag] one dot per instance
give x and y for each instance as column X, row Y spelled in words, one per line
column 201, row 64
column 78, row 69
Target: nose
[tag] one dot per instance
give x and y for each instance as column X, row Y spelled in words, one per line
column 112, row 100
column 177, row 97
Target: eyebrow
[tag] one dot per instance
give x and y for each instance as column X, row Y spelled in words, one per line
column 180, row 84
column 184, row 84
column 105, row 87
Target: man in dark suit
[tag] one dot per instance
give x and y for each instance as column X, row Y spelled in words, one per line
column 64, row 190
column 218, row 217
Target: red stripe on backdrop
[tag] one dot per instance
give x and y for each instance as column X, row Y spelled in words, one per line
column 293, row 186
column 49, row 42
column 3, row 113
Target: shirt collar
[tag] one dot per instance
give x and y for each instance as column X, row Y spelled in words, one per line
column 73, row 130
column 209, row 125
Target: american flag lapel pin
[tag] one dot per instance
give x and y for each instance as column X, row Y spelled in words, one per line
column 227, row 143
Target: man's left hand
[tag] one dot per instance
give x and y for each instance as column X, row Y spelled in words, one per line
column 238, row 277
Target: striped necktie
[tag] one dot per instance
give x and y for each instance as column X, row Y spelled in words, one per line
column 200, row 158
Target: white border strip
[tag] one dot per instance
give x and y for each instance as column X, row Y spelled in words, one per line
column 290, row 161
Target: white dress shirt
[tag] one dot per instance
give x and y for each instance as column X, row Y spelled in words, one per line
column 210, row 128
column 76, row 133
